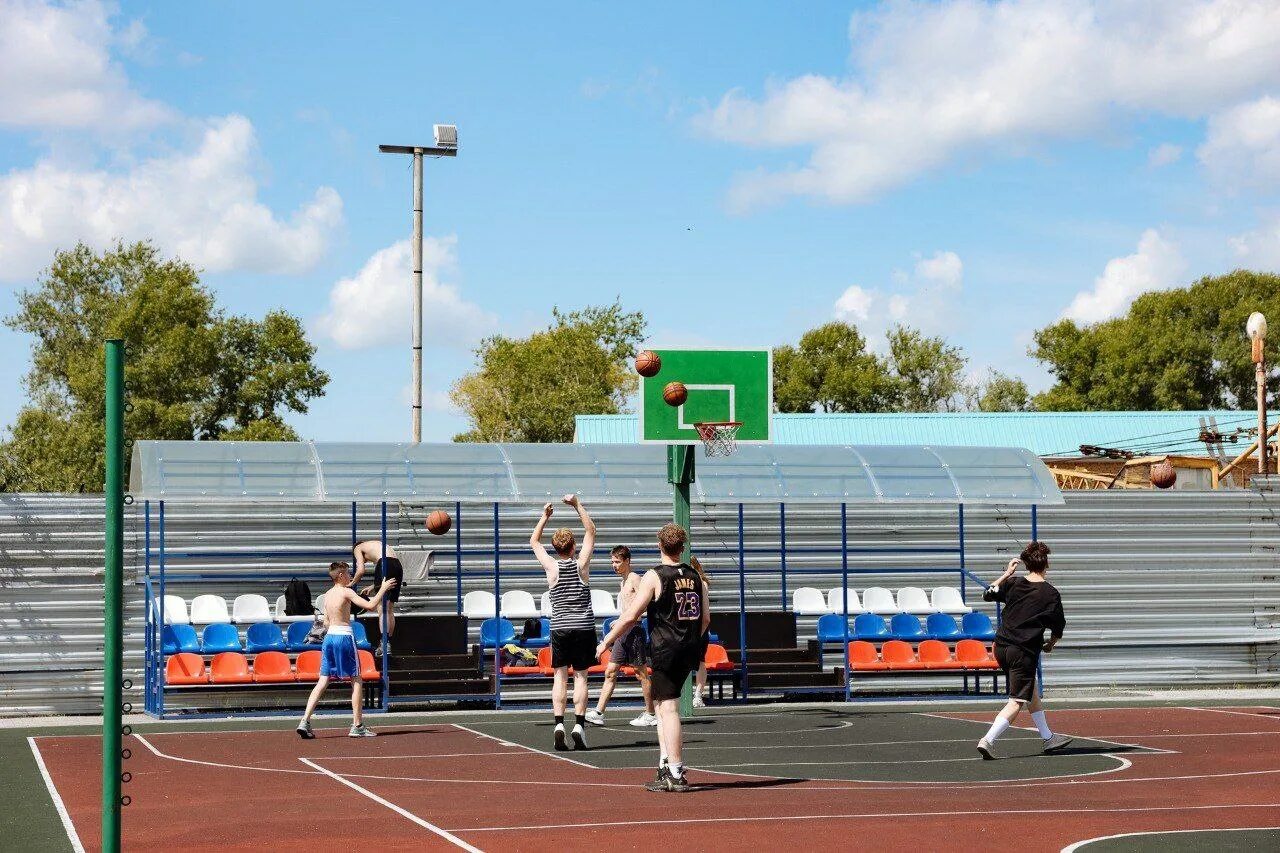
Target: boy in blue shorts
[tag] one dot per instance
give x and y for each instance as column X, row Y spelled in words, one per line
column 338, row 654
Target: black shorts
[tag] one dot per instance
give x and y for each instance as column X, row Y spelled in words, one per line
column 576, row 648
column 1019, row 667
column 392, row 568
column 670, row 672
column 631, row 650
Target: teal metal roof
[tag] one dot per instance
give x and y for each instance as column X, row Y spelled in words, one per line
column 1043, row 433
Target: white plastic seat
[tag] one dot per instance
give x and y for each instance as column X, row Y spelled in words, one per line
column 914, row 600
column 478, row 604
column 318, row 604
column 946, row 599
column 175, row 610
column 546, row 603
column 209, row 610
column 281, row 616
column 878, row 600
column 519, row 604
column 250, row 608
column 835, row 603
column 807, row 601
column 602, row 603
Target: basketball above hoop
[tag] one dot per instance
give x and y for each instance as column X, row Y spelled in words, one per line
column 717, row 397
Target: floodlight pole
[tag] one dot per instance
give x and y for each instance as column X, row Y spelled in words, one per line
column 680, row 474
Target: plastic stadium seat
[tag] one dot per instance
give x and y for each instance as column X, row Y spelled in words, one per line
column 544, row 661
column 978, row 626
column 175, row 610
column 973, row 654
column 518, row 604
column 500, row 631
column 220, row 638
column 362, row 636
column 904, row 626
column 185, row 668
column 283, row 617
column 807, row 601
column 869, row 626
column 272, row 668
column 832, row 628
column 935, row 654
column 478, row 604
column 914, row 600
column 946, row 599
column 879, row 601
column 602, row 603
column 835, row 604
column 368, row 669
column 900, row 655
column 308, row 666
column 318, row 604
column 545, row 603
column 608, row 624
column 209, row 609
column 717, row 658
column 265, row 637
column 863, row 656
column 942, row 626
column 247, row 609
column 297, row 637
column 230, row 668
column 179, row 638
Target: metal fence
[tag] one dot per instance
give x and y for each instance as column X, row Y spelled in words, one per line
column 1160, row 588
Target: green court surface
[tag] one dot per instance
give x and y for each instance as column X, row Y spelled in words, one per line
column 724, row 385
column 1186, row 841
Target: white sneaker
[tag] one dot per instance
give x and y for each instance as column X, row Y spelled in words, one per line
column 579, row 738
column 645, row 721
column 698, row 701
column 361, row 731
column 595, row 718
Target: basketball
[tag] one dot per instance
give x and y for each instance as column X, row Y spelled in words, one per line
column 675, row 393
column 438, row 522
column 1162, row 475
column 648, row 363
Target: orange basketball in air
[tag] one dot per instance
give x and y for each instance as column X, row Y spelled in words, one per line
column 648, row 363
column 1162, row 475
column 675, row 394
column 439, row 522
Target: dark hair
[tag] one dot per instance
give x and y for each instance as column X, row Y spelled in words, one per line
column 671, row 540
column 621, row 551
column 337, row 568
column 1036, row 556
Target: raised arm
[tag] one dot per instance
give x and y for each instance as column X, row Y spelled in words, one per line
column 650, row 588
column 995, row 592
column 550, row 566
column 588, row 536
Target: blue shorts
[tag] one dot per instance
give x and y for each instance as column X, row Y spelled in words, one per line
column 338, row 657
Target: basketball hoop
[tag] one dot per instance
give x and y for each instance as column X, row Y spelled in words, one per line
column 720, row 438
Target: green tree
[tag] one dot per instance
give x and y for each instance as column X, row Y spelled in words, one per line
column 192, row 372
column 1183, row 348
column 999, row 392
column 831, row 371
column 529, row 389
column 928, row 371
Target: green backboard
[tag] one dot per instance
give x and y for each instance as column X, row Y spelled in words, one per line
column 724, row 385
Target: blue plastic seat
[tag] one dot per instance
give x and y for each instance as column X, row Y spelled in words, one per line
column 497, row 631
column 833, row 629
column 942, row 626
column 362, row 636
column 905, row 626
column 179, row 638
column 264, row 637
column 978, row 626
column 869, row 626
column 296, row 639
column 220, row 637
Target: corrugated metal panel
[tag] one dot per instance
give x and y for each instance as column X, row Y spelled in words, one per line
column 1160, row 588
column 1043, row 433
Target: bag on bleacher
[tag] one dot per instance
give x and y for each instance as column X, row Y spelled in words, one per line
column 297, row 598
column 513, row 655
column 316, row 635
column 531, row 631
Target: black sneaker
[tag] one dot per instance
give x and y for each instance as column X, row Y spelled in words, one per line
column 304, row 731
column 561, row 743
column 677, row 784
column 579, row 738
column 659, row 783
column 1057, row 742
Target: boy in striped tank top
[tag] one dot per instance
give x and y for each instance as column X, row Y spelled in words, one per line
column 573, row 623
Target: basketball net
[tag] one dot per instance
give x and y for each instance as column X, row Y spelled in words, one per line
column 720, row 438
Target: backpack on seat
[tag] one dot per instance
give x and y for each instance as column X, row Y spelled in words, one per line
column 297, row 598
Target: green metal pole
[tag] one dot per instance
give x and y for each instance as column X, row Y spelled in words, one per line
column 680, row 474
column 113, row 594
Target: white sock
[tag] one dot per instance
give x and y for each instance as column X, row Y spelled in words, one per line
column 677, row 770
column 997, row 728
column 1041, row 724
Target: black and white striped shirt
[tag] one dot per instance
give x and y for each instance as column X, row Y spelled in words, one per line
column 571, row 600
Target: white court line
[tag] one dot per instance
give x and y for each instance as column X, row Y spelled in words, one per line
column 1124, row 763
column 408, row 815
column 862, row 815
column 70, row 827
column 1237, row 713
column 429, row 755
column 142, row 739
column 523, row 746
column 1071, row 848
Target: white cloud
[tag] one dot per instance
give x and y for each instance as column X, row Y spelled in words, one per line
column 924, row 299
column 56, row 69
column 1155, row 266
column 1242, row 146
column 934, row 81
column 1260, row 248
column 374, row 307
column 201, row 206
column 1165, row 154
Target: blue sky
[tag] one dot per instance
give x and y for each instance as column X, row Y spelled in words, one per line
column 737, row 171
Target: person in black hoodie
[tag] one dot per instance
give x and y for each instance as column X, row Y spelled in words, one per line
column 1031, row 605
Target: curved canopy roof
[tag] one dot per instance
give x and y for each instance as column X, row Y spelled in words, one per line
column 237, row 471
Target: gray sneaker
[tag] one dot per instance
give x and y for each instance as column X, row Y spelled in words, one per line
column 361, row 731
column 984, row 749
column 1057, row 742
column 304, row 731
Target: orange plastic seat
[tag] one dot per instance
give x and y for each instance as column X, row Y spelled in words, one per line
column 717, row 658
column 230, row 668
column 600, row 667
column 544, row 660
column 308, row 666
column 272, row 668
column 863, row 656
column 973, row 654
column 935, row 654
column 368, row 669
column 899, row 655
column 185, row 668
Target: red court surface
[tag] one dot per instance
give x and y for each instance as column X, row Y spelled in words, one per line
column 489, row 785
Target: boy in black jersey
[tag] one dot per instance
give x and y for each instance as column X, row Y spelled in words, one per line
column 679, row 614
column 1031, row 605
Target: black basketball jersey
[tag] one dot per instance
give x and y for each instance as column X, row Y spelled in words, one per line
column 675, row 617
